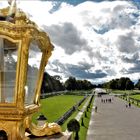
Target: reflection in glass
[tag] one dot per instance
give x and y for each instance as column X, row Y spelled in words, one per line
column 34, row 60
column 8, row 61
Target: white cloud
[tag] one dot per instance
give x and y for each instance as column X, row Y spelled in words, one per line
column 95, row 40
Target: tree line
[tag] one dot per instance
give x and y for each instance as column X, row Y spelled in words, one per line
column 123, row 83
column 53, row 83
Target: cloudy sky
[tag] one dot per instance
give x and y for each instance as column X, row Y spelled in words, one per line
column 95, row 40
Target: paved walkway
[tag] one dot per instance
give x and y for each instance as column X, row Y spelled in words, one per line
column 113, row 121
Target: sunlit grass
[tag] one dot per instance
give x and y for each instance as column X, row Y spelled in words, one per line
column 54, row 107
column 84, row 129
column 135, row 96
column 64, row 126
column 123, row 91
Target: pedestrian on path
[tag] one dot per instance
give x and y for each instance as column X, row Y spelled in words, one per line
column 129, row 104
column 95, row 108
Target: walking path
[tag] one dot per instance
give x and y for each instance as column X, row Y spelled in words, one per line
column 113, row 121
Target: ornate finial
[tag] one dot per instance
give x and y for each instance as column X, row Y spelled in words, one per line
column 12, row 10
column 8, row 13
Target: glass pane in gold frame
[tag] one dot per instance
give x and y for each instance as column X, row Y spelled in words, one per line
column 8, row 62
column 34, row 60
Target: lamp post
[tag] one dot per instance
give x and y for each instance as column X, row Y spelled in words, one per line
column 21, row 44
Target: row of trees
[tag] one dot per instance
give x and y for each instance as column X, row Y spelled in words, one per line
column 52, row 83
column 73, row 84
column 121, row 84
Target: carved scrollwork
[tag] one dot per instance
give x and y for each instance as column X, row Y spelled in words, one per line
column 46, row 130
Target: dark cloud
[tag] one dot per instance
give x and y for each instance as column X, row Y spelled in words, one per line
column 102, row 30
column 137, row 3
column 121, row 19
column 109, row 70
column 134, row 59
column 85, row 65
column 134, row 69
column 80, row 71
column 59, row 67
column 68, row 37
column 126, row 43
column 56, row 6
column 76, row 71
column 100, row 57
column 76, row 2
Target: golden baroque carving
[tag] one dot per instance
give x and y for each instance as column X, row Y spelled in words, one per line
column 46, row 130
column 17, row 117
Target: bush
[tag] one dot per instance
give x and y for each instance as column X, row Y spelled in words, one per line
column 74, row 126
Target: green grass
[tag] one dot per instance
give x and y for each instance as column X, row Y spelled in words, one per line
column 135, row 96
column 84, row 129
column 64, row 126
column 55, row 107
column 123, row 91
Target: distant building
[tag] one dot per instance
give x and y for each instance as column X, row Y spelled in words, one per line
column 100, row 91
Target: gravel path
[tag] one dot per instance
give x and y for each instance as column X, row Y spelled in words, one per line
column 113, row 121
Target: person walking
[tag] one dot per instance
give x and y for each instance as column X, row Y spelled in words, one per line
column 95, row 108
column 129, row 104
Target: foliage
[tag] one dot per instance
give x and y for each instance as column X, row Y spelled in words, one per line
column 138, row 84
column 84, row 129
column 72, row 84
column 124, row 83
column 135, row 96
column 64, row 126
column 51, row 83
column 74, row 126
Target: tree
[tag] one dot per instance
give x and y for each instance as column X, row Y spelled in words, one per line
column 74, row 126
column 121, row 84
column 125, row 83
column 51, row 83
column 71, row 83
column 113, row 84
column 129, row 85
column 137, row 85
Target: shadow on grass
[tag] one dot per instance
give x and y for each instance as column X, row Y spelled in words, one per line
column 84, row 126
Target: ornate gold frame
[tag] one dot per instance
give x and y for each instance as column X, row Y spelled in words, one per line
column 15, row 118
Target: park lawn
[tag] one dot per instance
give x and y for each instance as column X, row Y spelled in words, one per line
column 54, row 107
column 64, row 126
column 135, row 96
column 123, row 91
